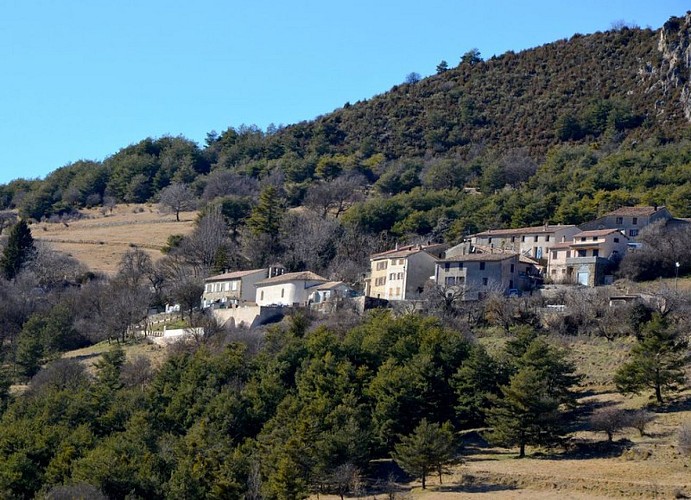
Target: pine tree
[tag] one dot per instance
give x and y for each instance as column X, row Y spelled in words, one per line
column 533, row 403
column 19, row 250
column 430, row 448
column 267, row 215
column 657, row 361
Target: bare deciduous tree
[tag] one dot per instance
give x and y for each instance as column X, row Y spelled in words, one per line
column 177, row 197
column 334, row 197
column 608, row 420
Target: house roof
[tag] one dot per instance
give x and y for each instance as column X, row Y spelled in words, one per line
column 636, row 211
column 480, row 257
column 596, row 233
column 329, row 285
column 528, row 260
column 234, row 275
column 405, row 251
column 547, row 228
column 284, row 278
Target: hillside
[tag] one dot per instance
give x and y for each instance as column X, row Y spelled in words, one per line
column 99, row 240
column 615, row 91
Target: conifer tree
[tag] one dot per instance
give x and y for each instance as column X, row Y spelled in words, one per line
column 657, row 361
column 533, row 404
column 430, row 448
column 19, row 250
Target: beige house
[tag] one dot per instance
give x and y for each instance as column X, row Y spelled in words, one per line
column 586, row 258
column 289, row 289
column 476, row 274
column 231, row 289
column 629, row 220
column 532, row 242
column 401, row 274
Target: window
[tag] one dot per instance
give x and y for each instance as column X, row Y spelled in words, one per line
column 554, row 271
column 581, row 253
column 554, row 254
column 616, row 240
column 380, row 281
column 208, row 288
column 536, row 237
column 513, row 239
column 460, row 265
column 596, row 252
column 450, row 281
column 399, row 276
column 401, row 261
column 633, row 232
column 447, row 266
column 635, row 221
column 547, row 238
column 523, row 238
column 583, row 238
column 489, row 240
column 568, row 254
column 381, row 265
column 511, row 271
column 261, row 295
column 620, row 220
column 484, row 281
column 482, row 266
column 283, row 292
column 398, row 290
column 392, row 276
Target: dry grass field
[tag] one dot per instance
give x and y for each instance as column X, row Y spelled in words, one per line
column 99, row 240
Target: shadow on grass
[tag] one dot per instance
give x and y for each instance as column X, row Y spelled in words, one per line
column 588, row 450
column 473, row 484
column 679, row 404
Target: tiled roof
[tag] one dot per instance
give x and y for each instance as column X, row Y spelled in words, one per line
column 547, row 228
column 407, row 250
column 596, row 233
column 480, row 257
column 636, row 211
column 329, row 285
column 234, row 275
column 528, row 260
column 283, row 278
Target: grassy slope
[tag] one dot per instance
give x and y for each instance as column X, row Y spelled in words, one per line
column 99, row 241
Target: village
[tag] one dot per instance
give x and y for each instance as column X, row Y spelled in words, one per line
column 511, row 262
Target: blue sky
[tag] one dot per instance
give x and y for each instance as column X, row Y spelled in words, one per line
column 83, row 78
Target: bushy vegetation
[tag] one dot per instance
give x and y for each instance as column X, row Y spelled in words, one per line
column 560, row 133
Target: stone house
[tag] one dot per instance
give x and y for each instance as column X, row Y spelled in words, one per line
column 401, row 273
column 629, row 220
column 587, row 258
column 476, row 274
column 532, row 242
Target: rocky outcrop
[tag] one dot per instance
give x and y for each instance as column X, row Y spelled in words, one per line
column 675, row 46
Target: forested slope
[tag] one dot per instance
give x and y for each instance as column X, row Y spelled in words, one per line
column 615, row 101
